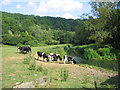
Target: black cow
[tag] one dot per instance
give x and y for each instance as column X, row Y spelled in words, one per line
column 19, row 49
column 45, row 57
column 42, row 54
column 70, row 59
column 22, row 49
column 56, row 57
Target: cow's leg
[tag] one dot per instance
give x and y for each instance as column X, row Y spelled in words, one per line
column 43, row 59
column 72, row 62
column 25, row 51
column 38, row 57
column 18, row 50
column 64, row 61
column 50, row 58
column 58, row 59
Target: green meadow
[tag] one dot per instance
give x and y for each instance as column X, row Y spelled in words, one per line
column 15, row 71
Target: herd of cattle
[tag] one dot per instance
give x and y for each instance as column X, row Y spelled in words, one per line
column 50, row 57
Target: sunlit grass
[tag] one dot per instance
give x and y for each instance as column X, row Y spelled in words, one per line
column 15, row 71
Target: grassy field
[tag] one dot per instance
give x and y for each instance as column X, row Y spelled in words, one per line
column 14, row 71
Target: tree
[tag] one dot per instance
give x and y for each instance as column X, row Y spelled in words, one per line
column 105, row 28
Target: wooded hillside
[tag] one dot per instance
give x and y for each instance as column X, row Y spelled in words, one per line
column 30, row 29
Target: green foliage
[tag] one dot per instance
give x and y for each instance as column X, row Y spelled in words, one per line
column 10, row 40
column 40, row 68
column 31, row 62
column 27, row 59
column 97, row 51
column 66, row 48
column 105, row 28
column 32, row 65
column 104, row 51
column 64, row 74
column 10, row 33
column 70, row 45
column 108, row 58
column 45, row 71
column 49, row 30
column 91, row 54
column 108, row 85
column 82, row 34
column 52, row 42
column 26, row 33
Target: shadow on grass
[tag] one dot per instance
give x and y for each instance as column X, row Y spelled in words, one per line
column 111, row 81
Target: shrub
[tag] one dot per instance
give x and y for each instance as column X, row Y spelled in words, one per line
column 90, row 54
column 32, row 65
column 45, row 71
column 64, row 74
column 40, row 68
column 110, row 57
column 104, row 51
column 114, row 57
column 27, row 59
column 107, row 57
column 66, row 48
column 31, row 43
column 70, row 45
column 52, row 42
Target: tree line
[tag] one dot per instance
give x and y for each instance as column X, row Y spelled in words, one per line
column 20, row 29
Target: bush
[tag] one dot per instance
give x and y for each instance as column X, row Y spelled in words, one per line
column 66, row 48
column 10, row 40
column 40, row 68
column 32, row 65
column 114, row 57
column 64, row 74
column 70, row 45
column 91, row 54
column 45, row 71
column 52, row 42
column 27, row 59
column 107, row 57
column 19, row 44
column 110, row 57
column 31, row 43
column 104, row 51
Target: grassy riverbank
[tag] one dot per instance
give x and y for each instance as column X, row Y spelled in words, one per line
column 14, row 71
column 99, row 55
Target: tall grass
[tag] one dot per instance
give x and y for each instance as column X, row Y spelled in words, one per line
column 64, row 74
column 27, row 59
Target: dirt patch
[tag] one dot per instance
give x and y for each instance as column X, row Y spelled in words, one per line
column 77, row 71
column 13, row 58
